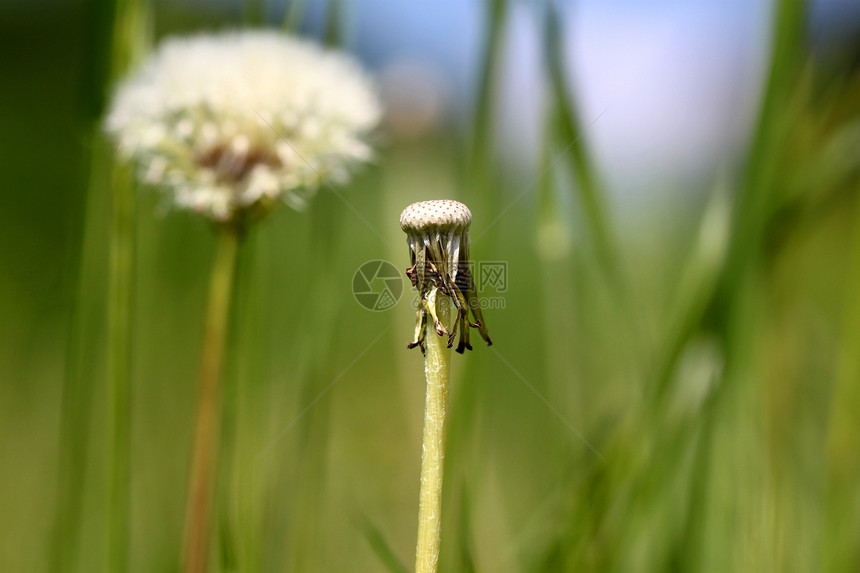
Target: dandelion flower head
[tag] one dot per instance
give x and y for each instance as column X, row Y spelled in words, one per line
column 228, row 124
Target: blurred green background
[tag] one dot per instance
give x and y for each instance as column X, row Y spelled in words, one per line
column 675, row 379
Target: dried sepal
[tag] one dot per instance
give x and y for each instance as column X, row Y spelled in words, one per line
column 438, row 238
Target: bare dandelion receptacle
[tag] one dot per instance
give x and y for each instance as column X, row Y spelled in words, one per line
column 438, row 238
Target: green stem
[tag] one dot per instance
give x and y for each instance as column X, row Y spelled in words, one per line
column 120, row 293
column 254, row 12
column 314, row 433
column 131, row 33
column 485, row 104
column 85, row 322
column 293, row 16
column 199, row 512
column 437, row 371
column 756, row 203
column 592, row 195
column 334, row 24
column 238, row 493
column 481, row 176
column 841, row 505
column 115, row 32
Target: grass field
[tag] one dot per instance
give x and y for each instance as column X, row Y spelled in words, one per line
column 676, row 390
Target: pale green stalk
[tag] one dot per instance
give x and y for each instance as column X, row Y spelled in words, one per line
column 199, row 512
column 437, row 366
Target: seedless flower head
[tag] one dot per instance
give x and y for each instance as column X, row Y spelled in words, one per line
column 438, row 237
column 230, row 123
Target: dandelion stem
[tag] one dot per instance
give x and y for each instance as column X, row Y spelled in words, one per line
column 436, row 369
column 199, row 512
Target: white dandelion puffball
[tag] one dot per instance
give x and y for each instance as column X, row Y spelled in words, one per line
column 229, row 123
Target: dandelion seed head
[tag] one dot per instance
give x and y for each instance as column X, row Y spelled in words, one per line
column 227, row 123
column 442, row 213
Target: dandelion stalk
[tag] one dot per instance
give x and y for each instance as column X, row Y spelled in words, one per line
column 438, row 238
column 199, row 512
column 437, row 366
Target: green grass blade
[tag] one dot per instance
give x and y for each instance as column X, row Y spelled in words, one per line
column 756, row 201
column 485, row 104
column 334, row 24
column 380, row 546
column 573, row 136
column 131, row 39
column 120, row 295
column 841, row 507
column 82, row 355
column 293, row 16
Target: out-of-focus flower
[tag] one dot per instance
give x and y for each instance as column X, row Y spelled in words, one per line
column 230, row 123
column 437, row 233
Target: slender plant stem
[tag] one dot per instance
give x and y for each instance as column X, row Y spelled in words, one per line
column 481, row 175
column 237, row 494
column 482, row 178
column 571, row 131
column 131, row 33
column 254, row 12
column 843, row 438
column 107, row 52
column 120, row 293
column 293, row 16
column 85, row 320
column 334, row 24
column 199, row 512
column 314, row 434
column 437, row 364
column 486, row 100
